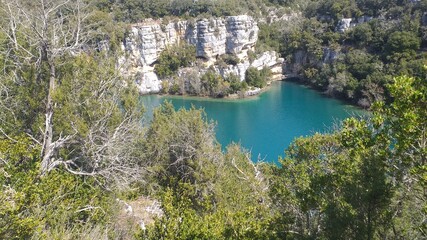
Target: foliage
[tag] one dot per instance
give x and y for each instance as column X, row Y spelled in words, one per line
column 173, row 58
column 269, row 38
column 235, row 84
column 109, row 114
column 402, row 45
column 135, row 10
column 181, row 221
column 34, row 206
column 209, row 84
column 344, row 186
column 180, row 144
column 204, row 193
column 344, row 64
column 200, row 184
column 306, row 36
column 66, row 116
column 104, row 30
column 214, row 85
column 257, row 78
column 228, row 59
column 349, row 184
column 365, row 180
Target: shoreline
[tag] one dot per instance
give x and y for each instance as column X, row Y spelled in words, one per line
column 230, row 98
column 306, row 85
column 235, row 97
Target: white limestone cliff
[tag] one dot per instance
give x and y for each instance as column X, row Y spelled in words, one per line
column 212, row 38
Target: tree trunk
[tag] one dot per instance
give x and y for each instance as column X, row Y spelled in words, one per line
column 48, row 148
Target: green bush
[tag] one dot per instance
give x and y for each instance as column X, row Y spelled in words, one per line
column 235, row 83
column 402, row 44
column 257, row 78
column 214, row 85
column 173, row 58
column 230, row 59
column 35, row 206
column 269, row 37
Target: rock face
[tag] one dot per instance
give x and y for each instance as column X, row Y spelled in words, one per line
column 211, row 37
column 329, row 55
column 242, row 33
column 346, row 23
column 268, row 59
column 148, row 82
column 146, row 40
column 302, row 58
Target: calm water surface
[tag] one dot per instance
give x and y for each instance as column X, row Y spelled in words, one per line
column 268, row 123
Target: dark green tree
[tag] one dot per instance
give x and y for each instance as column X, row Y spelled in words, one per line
column 173, row 58
column 402, row 45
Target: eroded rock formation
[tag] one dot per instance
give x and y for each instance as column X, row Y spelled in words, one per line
column 212, row 38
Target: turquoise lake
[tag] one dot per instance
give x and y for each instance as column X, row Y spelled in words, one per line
column 268, row 123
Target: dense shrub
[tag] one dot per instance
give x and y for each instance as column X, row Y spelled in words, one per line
column 269, row 37
column 402, row 44
column 257, row 78
column 235, row 84
column 229, row 59
column 173, row 58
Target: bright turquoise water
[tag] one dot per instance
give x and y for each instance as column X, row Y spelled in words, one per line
column 268, row 123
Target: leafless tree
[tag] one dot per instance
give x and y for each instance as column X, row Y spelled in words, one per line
column 52, row 28
column 41, row 33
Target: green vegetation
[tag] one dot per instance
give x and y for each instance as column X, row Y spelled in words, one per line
column 257, row 78
column 136, row 10
column 72, row 146
column 348, row 65
column 351, row 183
column 213, row 84
column 173, row 58
column 46, row 207
column 235, row 84
column 195, row 178
column 269, row 38
column 209, row 84
column 228, row 59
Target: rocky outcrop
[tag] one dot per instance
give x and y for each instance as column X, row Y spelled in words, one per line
column 344, row 24
column 148, row 82
column 214, row 37
column 301, row 59
column 211, row 37
column 147, row 39
column 238, row 69
column 329, row 55
column 347, row 23
column 278, row 15
column 268, row 59
column 252, row 92
column 242, row 34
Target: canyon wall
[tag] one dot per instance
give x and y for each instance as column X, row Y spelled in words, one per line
column 212, row 38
